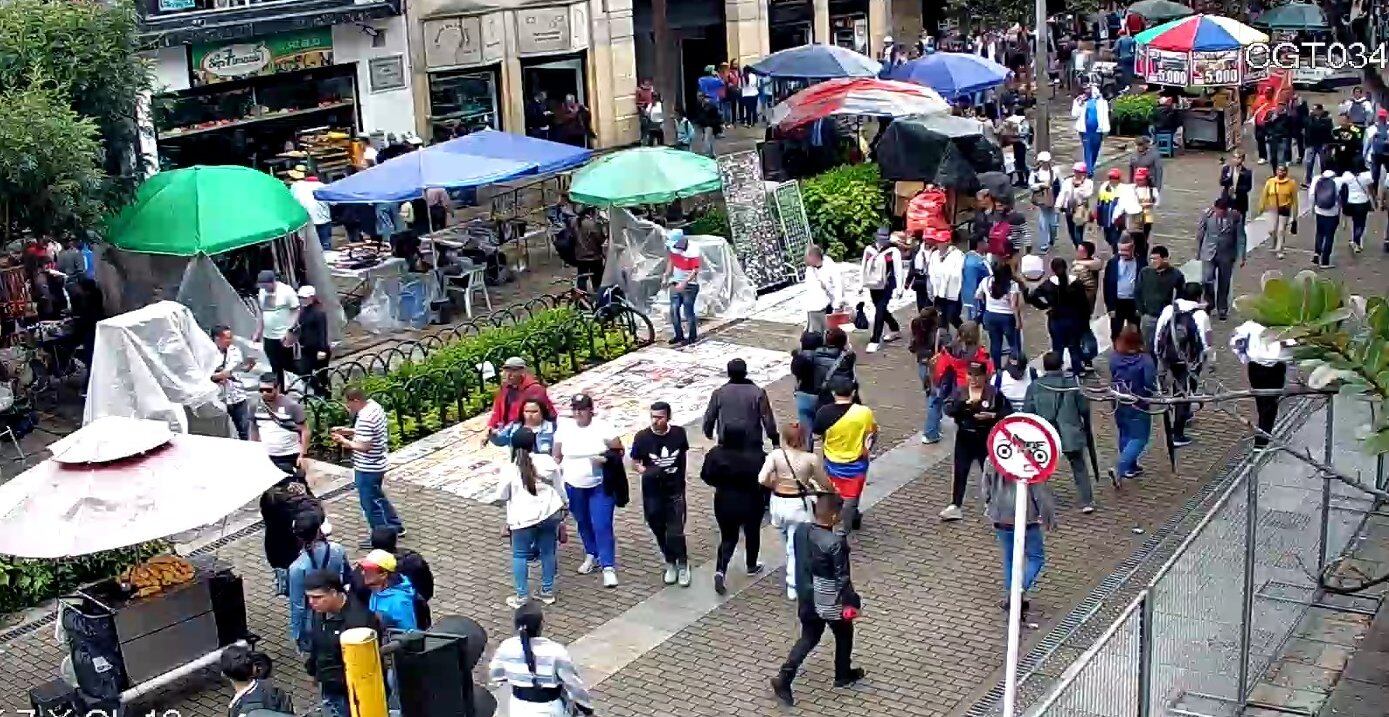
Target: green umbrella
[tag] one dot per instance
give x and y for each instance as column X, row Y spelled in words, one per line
column 645, row 175
column 206, row 210
column 1156, row 11
column 1294, row 16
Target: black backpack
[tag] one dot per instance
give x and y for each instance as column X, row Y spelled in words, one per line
column 1326, row 195
column 1180, row 342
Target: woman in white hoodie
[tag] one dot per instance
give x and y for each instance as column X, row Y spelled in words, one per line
column 945, row 271
column 533, row 492
column 884, row 275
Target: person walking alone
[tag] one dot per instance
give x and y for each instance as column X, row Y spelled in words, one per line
column 1266, row 359
column 1120, row 284
column 1134, row 373
column 279, row 313
column 583, row 447
column 682, row 281
column 533, row 491
column 1000, row 497
column 659, row 453
column 1074, row 199
column 233, row 393
column 1057, row 398
column 1220, row 243
column 1001, row 296
column 945, row 272
column 824, row 288
column 1327, row 202
column 540, row 673
column 1280, row 197
column 1318, row 134
column 976, row 408
column 739, row 406
column 732, row 469
column 884, row 275
column 1357, row 186
column 795, row 477
column 368, row 439
column 1068, row 313
column 848, row 430
column 825, row 597
column 807, row 394
column 1236, row 182
column 1044, row 184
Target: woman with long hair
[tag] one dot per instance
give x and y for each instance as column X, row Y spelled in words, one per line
column 1001, row 297
column 1131, row 371
column 543, row 679
column 1068, row 312
column 534, row 494
column 795, row 477
column 732, row 469
column 807, row 392
column 536, row 416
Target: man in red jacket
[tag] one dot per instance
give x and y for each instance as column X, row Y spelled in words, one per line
column 518, row 386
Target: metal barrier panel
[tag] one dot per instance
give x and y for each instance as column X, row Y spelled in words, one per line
column 1104, row 682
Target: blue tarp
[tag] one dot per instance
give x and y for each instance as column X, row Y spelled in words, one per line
column 406, row 177
column 546, row 155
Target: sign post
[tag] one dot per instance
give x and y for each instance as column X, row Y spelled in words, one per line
column 1024, row 448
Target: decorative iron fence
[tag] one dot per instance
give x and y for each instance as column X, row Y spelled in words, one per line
column 434, row 382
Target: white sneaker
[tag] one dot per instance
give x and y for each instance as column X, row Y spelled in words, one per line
column 515, row 601
column 927, row 440
column 791, row 594
column 871, row 348
column 891, row 336
column 669, row 577
column 951, row 512
column 609, row 577
column 684, row 575
column 587, row 565
column 1263, row 161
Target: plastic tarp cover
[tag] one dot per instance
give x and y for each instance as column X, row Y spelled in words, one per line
column 153, row 363
column 317, row 274
column 637, row 259
column 212, row 301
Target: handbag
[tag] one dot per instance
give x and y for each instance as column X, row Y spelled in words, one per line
column 1294, row 226
column 860, row 318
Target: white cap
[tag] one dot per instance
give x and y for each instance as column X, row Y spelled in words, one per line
column 887, row 38
column 307, row 291
column 1044, row 156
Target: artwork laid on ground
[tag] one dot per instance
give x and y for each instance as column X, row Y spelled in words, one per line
column 784, row 306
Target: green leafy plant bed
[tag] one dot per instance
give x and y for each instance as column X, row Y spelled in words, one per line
column 845, row 205
column 712, row 221
column 25, row 583
column 457, row 380
column 1132, row 115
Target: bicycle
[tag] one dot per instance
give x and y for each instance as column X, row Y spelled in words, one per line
column 608, row 307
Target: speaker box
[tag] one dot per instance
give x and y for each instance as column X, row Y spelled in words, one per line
column 431, row 679
column 228, row 607
column 54, row 698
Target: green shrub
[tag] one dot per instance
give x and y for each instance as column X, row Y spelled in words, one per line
column 845, row 206
column 25, row 583
column 712, row 221
column 1131, row 115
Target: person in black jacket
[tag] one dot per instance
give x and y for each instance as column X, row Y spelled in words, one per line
column 833, row 360
column 807, row 389
column 740, row 405
column 976, row 407
column 1236, row 181
column 825, row 597
column 314, row 348
column 279, row 506
column 335, row 611
column 1068, row 313
column 245, row 670
column 732, row 469
column 1297, row 127
column 1121, row 287
column 1317, row 134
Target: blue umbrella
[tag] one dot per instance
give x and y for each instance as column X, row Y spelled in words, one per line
column 816, row 62
column 952, row 74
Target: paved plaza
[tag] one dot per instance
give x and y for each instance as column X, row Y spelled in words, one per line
column 932, row 635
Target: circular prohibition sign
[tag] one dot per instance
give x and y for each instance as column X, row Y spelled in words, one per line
column 1024, row 447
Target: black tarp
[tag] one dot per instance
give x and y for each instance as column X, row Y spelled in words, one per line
column 947, row 151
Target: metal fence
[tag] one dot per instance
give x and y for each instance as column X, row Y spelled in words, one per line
column 1215, row 616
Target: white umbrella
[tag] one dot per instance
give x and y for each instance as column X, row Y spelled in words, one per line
column 56, row 510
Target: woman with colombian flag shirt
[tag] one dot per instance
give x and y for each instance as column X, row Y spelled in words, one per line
column 848, row 430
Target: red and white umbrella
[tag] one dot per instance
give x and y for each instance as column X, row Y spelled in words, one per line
column 857, row 96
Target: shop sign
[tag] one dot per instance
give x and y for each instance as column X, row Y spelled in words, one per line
column 386, row 73
column 1167, row 68
column 285, row 52
column 1215, row 69
column 166, row 5
column 542, row 31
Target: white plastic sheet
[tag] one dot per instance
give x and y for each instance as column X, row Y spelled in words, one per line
column 637, row 258
column 152, row 363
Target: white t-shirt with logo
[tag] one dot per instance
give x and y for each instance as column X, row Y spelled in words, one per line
column 277, row 310
column 578, row 444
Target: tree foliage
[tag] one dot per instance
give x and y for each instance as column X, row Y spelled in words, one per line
column 49, row 162
column 81, row 56
column 1342, row 340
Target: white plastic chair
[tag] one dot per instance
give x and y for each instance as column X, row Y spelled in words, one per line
column 468, row 283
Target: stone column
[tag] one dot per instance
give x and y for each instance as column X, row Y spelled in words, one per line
column 879, row 26
column 612, row 70
column 745, row 24
column 821, row 26
column 906, row 21
column 511, row 99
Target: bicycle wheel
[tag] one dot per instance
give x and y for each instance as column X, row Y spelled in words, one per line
column 633, row 324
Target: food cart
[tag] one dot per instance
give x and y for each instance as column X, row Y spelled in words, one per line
column 119, row 482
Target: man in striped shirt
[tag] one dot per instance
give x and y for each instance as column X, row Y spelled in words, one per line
column 682, row 279
column 368, row 439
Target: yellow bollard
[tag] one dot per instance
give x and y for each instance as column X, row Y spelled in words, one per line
column 366, row 685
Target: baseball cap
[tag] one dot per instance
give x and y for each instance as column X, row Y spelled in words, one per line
column 379, row 559
column 581, row 401
column 1114, row 173
column 1140, row 173
column 1382, row 113
column 266, row 277
column 1078, row 167
column 307, row 291
column 515, row 362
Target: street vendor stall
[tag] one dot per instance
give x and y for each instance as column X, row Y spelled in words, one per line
column 942, row 151
column 1206, row 54
column 120, row 482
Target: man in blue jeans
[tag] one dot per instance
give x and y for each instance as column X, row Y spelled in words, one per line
column 682, row 278
column 368, row 439
column 999, row 496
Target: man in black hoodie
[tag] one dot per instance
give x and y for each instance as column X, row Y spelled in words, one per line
column 243, row 669
column 740, row 403
column 1317, row 134
column 335, row 611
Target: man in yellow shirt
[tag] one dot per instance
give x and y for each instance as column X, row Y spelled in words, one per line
column 847, row 431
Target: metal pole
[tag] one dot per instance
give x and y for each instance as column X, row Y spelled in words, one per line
column 1145, row 654
column 1326, row 487
column 1251, row 520
column 1041, row 130
column 1010, row 678
column 366, row 684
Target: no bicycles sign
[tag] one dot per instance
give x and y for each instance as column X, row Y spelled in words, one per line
column 1025, row 447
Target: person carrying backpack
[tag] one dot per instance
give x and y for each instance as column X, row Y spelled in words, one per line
column 319, row 554
column 1325, row 194
column 1183, row 339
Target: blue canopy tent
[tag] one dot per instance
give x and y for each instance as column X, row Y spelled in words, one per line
column 406, row 177
column 546, row 155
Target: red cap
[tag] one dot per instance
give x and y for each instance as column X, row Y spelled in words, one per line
column 1114, row 173
column 1140, row 173
column 1382, row 113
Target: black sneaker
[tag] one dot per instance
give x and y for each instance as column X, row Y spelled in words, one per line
column 675, row 342
column 1113, row 477
column 1181, row 441
column 722, row 589
column 1026, row 604
column 782, row 690
column 400, row 532
column 854, row 675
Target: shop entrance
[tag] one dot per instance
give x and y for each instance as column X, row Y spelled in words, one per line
column 789, row 24
column 697, row 53
column 556, row 78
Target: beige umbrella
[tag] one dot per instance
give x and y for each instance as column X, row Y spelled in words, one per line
column 57, row 509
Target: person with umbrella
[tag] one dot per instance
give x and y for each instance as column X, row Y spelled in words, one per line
column 1056, row 397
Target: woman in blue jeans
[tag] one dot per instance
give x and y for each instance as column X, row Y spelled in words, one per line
column 1068, row 312
column 807, row 390
column 582, row 446
column 925, row 344
column 1133, row 372
column 1001, row 297
column 533, row 493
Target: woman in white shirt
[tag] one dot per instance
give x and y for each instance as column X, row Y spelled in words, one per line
column 543, row 679
column 945, row 271
column 582, row 446
column 1074, row 200
column 1359, row 188
column 533, row 493
column 1001, row 297
column 884, row 276
column 1266, row 357
column 748, row 99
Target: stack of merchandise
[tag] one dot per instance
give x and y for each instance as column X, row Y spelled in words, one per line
column 926, row 214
